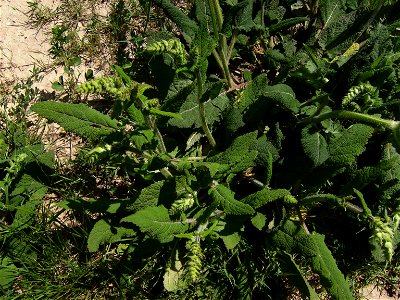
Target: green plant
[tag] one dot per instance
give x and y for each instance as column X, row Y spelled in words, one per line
column 250, row 175
column 25, row 168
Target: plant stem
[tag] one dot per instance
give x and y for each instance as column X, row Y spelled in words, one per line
column 153, row 126
column 214, row 21
column 202, row 111
column 218, row 60
column 231, row 45
column 222, row 54
column 344, row 114
column 218, row 12
column 225, row 62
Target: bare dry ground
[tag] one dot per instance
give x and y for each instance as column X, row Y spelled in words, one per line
column 21, row 47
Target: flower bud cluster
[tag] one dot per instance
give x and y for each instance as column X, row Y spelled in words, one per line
column 382, row 236
column 108, row 84
column 172, row 46
column 354, row 92
column 182, row 204
column 194, row 259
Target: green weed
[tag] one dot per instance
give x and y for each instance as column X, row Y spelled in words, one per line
column 211, row 171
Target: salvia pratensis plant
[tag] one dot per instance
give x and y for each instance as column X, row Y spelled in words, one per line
column 219, row 166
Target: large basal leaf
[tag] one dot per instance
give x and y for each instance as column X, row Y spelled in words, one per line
column 314, row 146
column 239, row 155
column 283, row 96
column 33, row 192
column 244, row 21
column 330, row 11
column 77, row 118
column 8, row 273
column 252, row 92
column 265, row 196
column 259, row 95
column 342, row 31
column 159, row 193
column 148, row 196
column 103, row 232
column 292, row 238
column 203, row 45
column 226, row 199
column 296, row 275
column 360, row 178
column 187, row 25
column 156, row 222
column 344, row 149
column 390, row 154
column 190, row 112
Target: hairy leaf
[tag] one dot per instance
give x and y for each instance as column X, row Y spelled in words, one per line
column 259, row 221
column 34, row 192
column 226, row 198
column 8, row 273
column 252, row 92
column 102, row 205
column 265, row 196
column 330, row 10
column 360, row 178
column 296, row 275
column 344, row 149
column 258, row 95
column 232, row 240
column 159, row 193
column 187, row 25
column 156, row 222
column 244, row 20
column 77, row 118
column 315, row 146
column 390, row 154
column 293, row 239
column 104, row 232
column 282, row 95
column 203, row 45
column 341, row 31
column 239, row 155
column 189, row 112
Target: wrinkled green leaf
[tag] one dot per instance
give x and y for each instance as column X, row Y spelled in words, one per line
column 295, row 274
column 8, row 273
column 189, row 112
column 293, row 239
column 344, row 149
column 156, row 222
column 259, row 221
column 232, row 240
column 77, row 118
column 187, row 25
column 239, row 155
column 315, row 146
column 148, row 196
column 226, row 199
column 265, row 196
column 104, row 232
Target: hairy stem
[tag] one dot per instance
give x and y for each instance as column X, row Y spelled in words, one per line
column 152, row 124
column 202, row 111
column 214, row 18
column 231, row 45
column 222, row 54
column 344, row 114
column 218, row 12
column 218, row 60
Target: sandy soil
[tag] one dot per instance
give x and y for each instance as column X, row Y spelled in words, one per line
column 21, row 47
